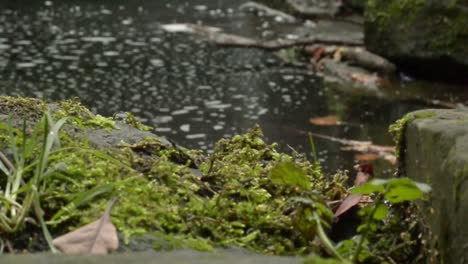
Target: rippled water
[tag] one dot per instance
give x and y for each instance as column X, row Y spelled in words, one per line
column 114, row 56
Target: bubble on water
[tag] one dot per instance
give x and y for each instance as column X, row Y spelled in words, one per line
column 99, row 39
column 200, row 8
column 111, row 53
column 106, row 12
column 180, row 112
column 195, row 136
column 22, row 65
column 163, row 129
column 185, row 127
column 157, row 62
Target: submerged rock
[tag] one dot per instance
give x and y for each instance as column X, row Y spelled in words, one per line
column 425, row 38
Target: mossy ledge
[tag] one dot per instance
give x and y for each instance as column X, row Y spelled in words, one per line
column 397, row 130
column 178, row 197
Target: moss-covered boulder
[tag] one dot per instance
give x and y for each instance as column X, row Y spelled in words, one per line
column 425, row 38
column 434, row 149
column 246, row 194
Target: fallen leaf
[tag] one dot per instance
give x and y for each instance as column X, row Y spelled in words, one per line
column 338, row 55
column 348, row 203
column 366, row 156
column 317, row 54
column 98, row 237
column 364, row 174
column 331, row 120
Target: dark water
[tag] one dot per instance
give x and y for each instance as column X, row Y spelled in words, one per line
column 114, row 56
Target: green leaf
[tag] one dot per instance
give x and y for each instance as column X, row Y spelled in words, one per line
column 288, row 173
column 403, row 190
column 374, row 186
column 381, row 212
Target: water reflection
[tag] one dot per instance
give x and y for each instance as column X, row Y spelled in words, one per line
column 114, row 57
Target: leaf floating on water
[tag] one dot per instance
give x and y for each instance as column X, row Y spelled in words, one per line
column 98, row 237
column 331, row 120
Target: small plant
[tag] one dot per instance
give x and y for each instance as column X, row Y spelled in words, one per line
column 392, row 191
column 25, row 177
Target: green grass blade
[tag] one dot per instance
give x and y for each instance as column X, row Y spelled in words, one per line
column 45, row 230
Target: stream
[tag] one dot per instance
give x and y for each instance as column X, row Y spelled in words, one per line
column 114, row 56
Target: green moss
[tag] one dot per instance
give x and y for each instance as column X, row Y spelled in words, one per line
column 382, row 13
column 132, row 121
column 234, row 202
column 81, row 116
column 28, row 108
column 405, row 19
column 397, row 130
column 246, row 194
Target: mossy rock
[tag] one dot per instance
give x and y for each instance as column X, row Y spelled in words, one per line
column 425, row 38
column 180, row 197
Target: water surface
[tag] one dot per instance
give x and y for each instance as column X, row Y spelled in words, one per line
column 114, row 56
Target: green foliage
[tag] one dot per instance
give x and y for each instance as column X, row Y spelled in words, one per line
column 234, row 203
column 245, row 194
column 131, row 120
column 289, row 174
column 394, row 191
column 27, row 108
column 26, row 176
column 80, row 116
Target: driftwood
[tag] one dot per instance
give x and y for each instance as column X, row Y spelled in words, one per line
column 313, row 8
column 354, row 55
column 368, row 60
column 231, row 40
column 218, row 37
column 267, row 11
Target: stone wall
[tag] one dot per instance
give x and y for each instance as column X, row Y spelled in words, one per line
column 435, row 151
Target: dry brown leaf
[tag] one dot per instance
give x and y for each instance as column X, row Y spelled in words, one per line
column 331, row 120
column 348, row 203
column 366, row 156
column 365, row 172
column 98, row 237
column 338, row 55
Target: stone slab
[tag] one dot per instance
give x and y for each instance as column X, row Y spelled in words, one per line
column 436, row 152
column 170, row 257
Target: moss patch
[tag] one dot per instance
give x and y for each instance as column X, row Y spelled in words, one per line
column 27, row 108
column 422, row 29
column 233, row 203
column 81, row 116
column 397, row 130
